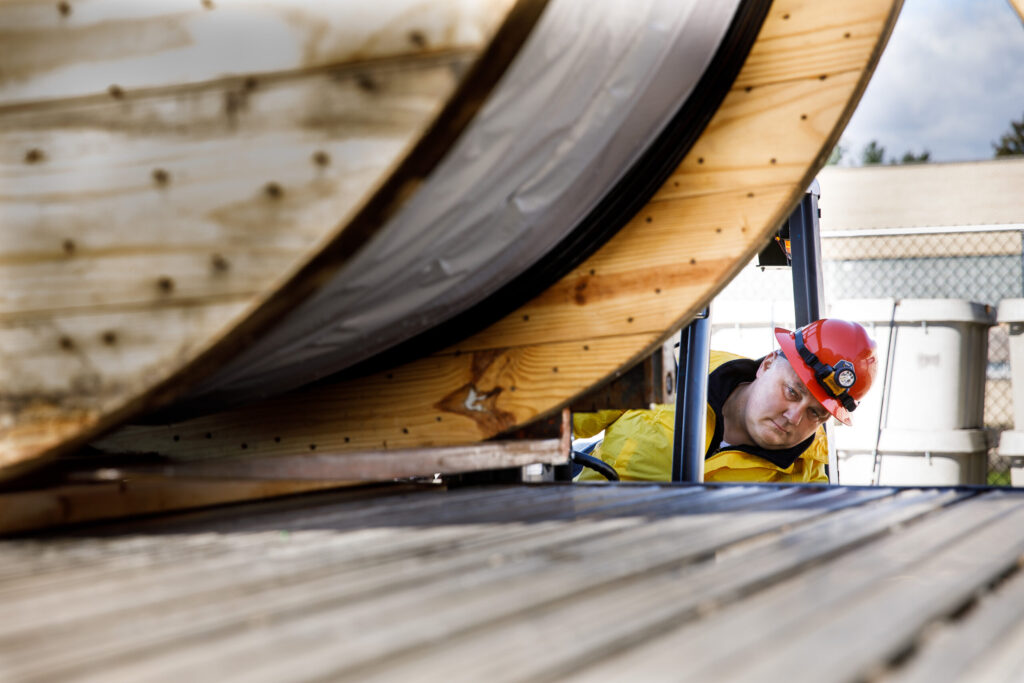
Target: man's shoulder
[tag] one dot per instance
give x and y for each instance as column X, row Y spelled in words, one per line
column 719, row 358
column 724, row 356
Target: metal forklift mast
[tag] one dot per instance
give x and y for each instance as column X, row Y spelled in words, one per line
column 691, row 398
column 688, row 439
column 805, row 237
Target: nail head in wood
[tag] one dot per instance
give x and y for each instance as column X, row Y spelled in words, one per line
column 417, row 38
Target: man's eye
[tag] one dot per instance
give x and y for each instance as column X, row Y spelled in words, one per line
column 791, row 392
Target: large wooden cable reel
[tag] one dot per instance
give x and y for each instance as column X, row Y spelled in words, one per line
column 773, row 130
column 167, row 170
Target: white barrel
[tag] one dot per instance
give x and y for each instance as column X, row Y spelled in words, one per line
column 1011, row 313
column 1011, row 447
column 914, row 458
column 939, row 361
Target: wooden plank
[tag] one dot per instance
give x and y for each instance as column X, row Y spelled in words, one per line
column 126, row 580
column 183, row 202
column 983, row 645
column 628, row 613
column 452, row 600
column 672, row 582
column 706, row 647
column 709, row 219
column 883, row 623
column 315, row 546
column 53, row 51
column 77, row 503
column 365, row 466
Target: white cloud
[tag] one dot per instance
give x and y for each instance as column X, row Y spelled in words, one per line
column 950, row 81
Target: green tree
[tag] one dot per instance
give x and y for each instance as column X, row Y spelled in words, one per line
column 1012, row 141
column 873, row 153
column 911, row 158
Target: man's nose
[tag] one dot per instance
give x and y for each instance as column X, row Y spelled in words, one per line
column 795, row 414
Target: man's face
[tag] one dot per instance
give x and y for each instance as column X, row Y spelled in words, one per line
column 780, row 410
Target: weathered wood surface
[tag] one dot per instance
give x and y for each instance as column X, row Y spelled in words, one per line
column 166, row 166
column 82, row 489
column 555, row 582
column 51, row 51
column 760, row 151
column 75, row 503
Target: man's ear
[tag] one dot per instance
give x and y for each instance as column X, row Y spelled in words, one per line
column 766, row 363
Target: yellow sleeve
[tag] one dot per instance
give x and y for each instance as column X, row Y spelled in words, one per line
column 638, row 445
column 586, row 425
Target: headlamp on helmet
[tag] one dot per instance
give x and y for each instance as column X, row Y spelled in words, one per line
column 835, row 379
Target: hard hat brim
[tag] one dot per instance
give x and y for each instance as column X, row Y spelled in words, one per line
column 806, row 375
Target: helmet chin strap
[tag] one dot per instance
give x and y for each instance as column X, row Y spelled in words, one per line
column 834, row 380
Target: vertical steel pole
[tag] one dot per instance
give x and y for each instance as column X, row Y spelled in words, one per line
column 808, row 285
column 691, row 400
column 805, row 245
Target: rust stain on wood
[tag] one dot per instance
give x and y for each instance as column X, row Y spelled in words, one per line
column 476, row 402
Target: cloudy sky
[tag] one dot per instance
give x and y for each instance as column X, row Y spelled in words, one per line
column 950, row 81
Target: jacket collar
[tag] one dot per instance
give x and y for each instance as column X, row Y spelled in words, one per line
column 721, row 383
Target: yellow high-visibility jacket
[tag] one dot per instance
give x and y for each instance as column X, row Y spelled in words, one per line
column 638, row 443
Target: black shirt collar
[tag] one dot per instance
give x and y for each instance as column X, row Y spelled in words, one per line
column 721, row 383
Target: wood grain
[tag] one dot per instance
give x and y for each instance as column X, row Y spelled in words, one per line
column 154, row 192
column 56, row 50
column 653, row 582
column 79, row 503
column 759, row 152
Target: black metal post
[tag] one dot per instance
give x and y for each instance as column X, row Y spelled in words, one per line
column 691, row 400
column 805, row 241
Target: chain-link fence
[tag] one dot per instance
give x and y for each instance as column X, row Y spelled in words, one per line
column 965, row 263
column 977, row 266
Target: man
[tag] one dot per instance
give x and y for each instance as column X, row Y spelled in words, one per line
column 764, row 417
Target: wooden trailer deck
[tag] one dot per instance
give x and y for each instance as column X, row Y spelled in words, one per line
column 532, row 582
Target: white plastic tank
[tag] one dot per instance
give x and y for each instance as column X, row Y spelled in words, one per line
column 1011, row 313
column 1011, row 443
column 913, row 458
column 940, row 354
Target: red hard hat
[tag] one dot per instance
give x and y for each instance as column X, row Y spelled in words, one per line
column 835, row 359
